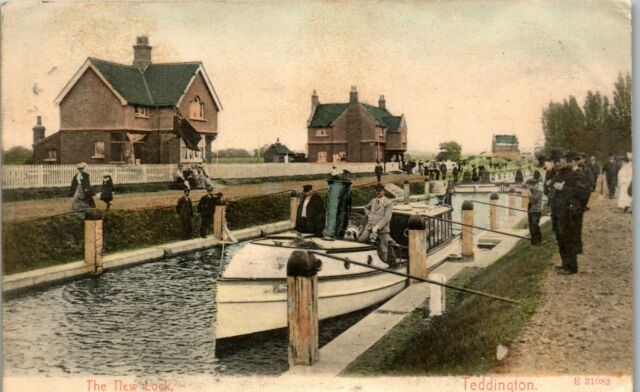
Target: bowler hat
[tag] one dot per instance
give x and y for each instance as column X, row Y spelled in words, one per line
column 379, row 187
column 307, row 188
column 571, row 156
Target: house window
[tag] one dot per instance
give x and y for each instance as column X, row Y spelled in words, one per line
column 52, row 155
column 141, row 111
column 98, row 150
column 321, row 132
column 380, row 133
column 322, row 156
column 196, row 109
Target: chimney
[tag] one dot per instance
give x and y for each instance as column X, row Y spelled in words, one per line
column 353, row 95
column 142, row 53
column 314, row 101
column 382, row 104
column 38, row 131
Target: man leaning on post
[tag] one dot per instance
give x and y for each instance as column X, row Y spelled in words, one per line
column 206, row 207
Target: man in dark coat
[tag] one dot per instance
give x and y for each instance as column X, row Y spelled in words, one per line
column 443, row 170
column 611, row 169
column 184, row 208
column 206, row 208
column 595, row 170
column 106, row 192
column 378, row 170
column 311, row 214
column 455, row 173
column 569, row 189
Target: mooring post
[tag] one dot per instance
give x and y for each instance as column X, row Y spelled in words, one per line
column 417, row 248
column 512, row 201
column 427, row 195
column 220, row 219
column 524, row 200
column 302, row 308
column 467, row 233
column 436, row 296
column 293, row 205
column 407, row 191
column 493, row 211
column 93, row 243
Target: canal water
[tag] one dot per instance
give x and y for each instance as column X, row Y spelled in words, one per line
column 151, row 319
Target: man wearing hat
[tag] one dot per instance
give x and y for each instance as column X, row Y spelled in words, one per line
column 106, row 191
column 611, row 169
column 379, row 212
column 81, row 191
column 534, row 211
column 311, row 214
column 184, row 208
column 570, row 188
column 206, row 208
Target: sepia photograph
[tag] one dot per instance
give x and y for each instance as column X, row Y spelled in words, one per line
column 317, row 195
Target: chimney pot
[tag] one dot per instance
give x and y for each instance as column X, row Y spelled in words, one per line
column 38, row 130
column 314, row 101
column 353, row 95
column 142, row 53
column 382, row 104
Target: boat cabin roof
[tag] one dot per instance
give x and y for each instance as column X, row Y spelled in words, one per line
column 420, row 209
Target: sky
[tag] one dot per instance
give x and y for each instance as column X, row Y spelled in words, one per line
column 457, row 70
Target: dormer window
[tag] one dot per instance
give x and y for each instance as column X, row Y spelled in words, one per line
column 141, row 111
column 196, row 109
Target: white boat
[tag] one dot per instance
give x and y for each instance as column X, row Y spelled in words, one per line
column 252, row 291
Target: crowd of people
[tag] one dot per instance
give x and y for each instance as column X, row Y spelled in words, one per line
column 192, row 177
column 82, row 194
column 568, row 180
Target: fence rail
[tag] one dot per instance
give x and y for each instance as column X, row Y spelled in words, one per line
column 55, row 176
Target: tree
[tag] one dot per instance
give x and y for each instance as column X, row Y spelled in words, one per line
column 18, row 156
column 234, row 153
column 621, row 114
column 449, row 151
column 259, row 152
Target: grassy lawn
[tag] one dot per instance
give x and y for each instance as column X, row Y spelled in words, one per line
column 463, row 341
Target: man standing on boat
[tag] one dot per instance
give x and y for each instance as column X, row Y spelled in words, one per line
column 311, row 213
column 206, row 207
column 378, row 213
column 184, row 208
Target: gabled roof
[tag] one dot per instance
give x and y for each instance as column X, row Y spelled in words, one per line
column 158, row 85
column 506, row 139
column 326, row 114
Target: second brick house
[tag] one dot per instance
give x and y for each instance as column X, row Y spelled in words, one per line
column 354, row 131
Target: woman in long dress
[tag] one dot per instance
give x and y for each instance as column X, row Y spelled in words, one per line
column 624, row 180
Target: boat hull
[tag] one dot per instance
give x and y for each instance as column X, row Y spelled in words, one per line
column 264, row 301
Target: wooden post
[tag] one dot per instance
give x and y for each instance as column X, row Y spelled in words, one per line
column 417, row 248
column 467, row 233
column 512, row 201
column 427, row 195
column 293, row 207
column 493, row 211
column 436, row 296
column 407, row 191
column 93, row 245
column 302, row 308
column 220, row 219
column 524, row 200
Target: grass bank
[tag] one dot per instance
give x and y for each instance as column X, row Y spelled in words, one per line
column 59, row 239
column 463, row 341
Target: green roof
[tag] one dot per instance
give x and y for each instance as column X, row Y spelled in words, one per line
column 326, row 114
column 158, row 85
column 506, row 139
column 280, row 149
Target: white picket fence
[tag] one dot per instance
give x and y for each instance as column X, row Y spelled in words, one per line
column 53, row 176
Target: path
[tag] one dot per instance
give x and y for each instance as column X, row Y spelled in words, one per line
column 33, row 209
column 583, row 322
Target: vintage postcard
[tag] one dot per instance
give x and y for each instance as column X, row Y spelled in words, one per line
column 317, row 195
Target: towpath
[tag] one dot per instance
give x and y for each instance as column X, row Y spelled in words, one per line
column 34, row 209
column 583, row 322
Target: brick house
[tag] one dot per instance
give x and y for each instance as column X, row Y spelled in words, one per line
column 505, row 146
column 118, row 113
column 354, row 131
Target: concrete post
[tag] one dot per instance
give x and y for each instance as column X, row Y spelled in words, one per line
column 407, row 191
column 512, row 201
column 467, row 233
column 436, row 296
column 293, row 203
column 93, row 245
column 220, row 219
column 417, row 248
column 493, row 211
column 302, row 308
